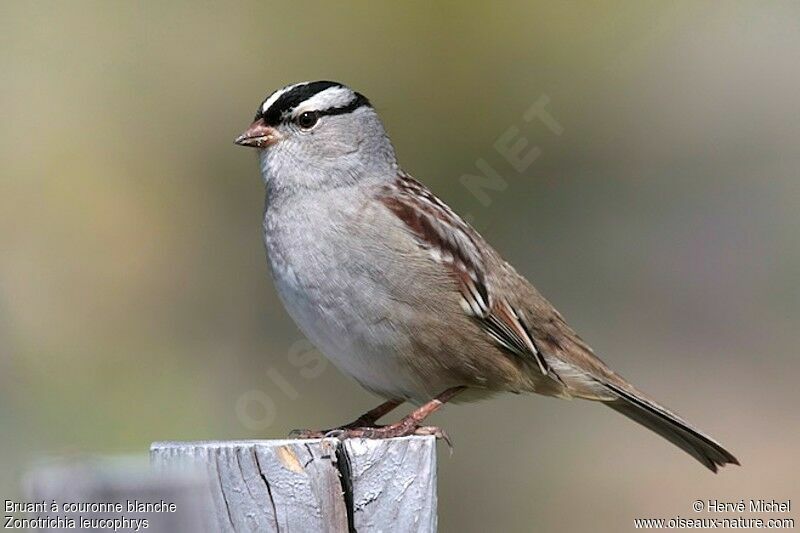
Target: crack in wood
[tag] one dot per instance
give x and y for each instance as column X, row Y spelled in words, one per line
column 310, row 457
column 342, row 464
column 269, row 490
column 222, row 491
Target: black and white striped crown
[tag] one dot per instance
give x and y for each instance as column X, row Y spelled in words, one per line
column 323, row 97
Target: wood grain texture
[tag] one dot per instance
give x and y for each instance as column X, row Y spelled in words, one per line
column 393, row 483
column 313, row 485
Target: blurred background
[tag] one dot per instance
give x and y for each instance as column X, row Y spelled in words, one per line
column 135, row 298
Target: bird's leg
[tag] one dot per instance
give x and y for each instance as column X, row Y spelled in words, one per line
column 408, row 425
column 368, row 419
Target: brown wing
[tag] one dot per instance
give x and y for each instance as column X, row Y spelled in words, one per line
column 491, row 289
column 454, row 244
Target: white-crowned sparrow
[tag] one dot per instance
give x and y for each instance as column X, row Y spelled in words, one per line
column 402, row 294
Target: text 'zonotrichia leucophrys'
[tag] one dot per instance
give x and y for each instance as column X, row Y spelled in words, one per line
column 402, row 294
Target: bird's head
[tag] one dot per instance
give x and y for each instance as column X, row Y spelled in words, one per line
column 313, row 132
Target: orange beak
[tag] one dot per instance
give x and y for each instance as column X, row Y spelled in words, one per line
column 258, row 135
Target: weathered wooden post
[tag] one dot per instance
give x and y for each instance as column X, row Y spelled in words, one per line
column 312, row 485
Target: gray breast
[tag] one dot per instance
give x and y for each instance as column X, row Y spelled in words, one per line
column 336, row 276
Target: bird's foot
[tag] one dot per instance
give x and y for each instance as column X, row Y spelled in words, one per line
column 308, row 433
column 365, row 428
column 323, row 433
column 367, row 420
column 400, row 429
column 403, row 428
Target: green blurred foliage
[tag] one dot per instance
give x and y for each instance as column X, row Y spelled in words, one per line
column 135, row 301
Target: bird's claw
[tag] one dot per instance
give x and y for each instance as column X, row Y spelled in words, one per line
column 402, row 428
column 307, row 434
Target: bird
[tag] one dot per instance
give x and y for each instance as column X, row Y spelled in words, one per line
column 402, row 294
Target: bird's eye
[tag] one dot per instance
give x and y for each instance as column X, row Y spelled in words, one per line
column 308, row 119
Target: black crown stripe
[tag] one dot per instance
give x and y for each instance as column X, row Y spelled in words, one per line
column 359, row 101
column 300, row 93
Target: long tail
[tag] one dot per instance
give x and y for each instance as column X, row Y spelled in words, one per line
column 671, row 427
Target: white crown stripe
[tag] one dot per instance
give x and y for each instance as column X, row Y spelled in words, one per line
column 330, row 98
column 277, row 94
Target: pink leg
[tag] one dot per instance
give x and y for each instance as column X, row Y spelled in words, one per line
column 368, row 419
column 408, row 425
